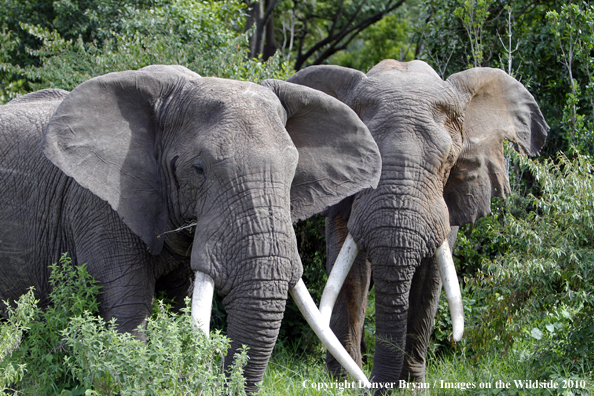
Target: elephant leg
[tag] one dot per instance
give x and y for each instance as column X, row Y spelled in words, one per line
column 423, row 301
column 119, row 260
column 126, row 293
column 348, row 315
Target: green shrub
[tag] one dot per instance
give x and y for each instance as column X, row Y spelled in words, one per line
column 43, row 349
column 528, row 271
column 69, row 350
column 177, row 359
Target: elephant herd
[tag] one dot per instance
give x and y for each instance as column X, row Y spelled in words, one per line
column 396, row 159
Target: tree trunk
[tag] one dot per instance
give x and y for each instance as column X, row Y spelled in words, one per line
column 262, row 42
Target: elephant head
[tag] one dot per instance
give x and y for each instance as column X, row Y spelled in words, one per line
column 441, row 144
column 167, row 148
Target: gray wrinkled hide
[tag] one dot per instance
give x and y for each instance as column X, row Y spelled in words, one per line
column 107, row 171
column 441, row 144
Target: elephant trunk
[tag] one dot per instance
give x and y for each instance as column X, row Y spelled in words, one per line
column 254, row 314
column 392, row 280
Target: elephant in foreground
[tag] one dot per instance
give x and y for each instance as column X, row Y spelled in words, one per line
column 115, row 172
column 441, row 144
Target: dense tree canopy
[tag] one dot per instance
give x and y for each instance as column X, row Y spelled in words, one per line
column 547, row 45
column 63, row 43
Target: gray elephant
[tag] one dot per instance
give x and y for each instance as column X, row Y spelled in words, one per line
column 106, row 171
column 441, row 144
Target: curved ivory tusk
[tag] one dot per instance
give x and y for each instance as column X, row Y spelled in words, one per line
column 202, row 301
column 339, row 272
column 314, row 318
column 452, row 288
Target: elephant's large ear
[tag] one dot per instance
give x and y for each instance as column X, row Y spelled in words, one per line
column 336, row 81
column 337, row 155
column 104, row 135
column 497, row 107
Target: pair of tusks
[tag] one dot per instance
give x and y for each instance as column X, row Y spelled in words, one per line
column 345, row 260
column 319, row 320
column 202, row 305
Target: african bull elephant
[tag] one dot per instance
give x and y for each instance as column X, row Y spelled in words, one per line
column 106, row 171
column 441, row 144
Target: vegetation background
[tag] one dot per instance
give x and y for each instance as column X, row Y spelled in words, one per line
column 527, row 269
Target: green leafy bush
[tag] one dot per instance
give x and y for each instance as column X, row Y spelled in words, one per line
column 178, row 359
column 67, row 349
column 43, row 349
column 532, row 285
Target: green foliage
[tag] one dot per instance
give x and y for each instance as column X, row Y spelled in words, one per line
column 532, row 285
column 11, row 334
column 200, row 35
column 314, row 30
column 473, row 14
column 69, row 350
column 390, row 38
column 573, row 31
column 73, row 292
column 546, row 45
column 178, row 359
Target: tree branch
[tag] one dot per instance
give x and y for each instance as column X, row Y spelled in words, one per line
column 351, row 32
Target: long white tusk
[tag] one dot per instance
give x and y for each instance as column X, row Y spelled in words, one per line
column 452, row 288
column 202, row 301
column 314, row 318
column 339, row 272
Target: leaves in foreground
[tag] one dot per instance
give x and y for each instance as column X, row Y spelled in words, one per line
column 67, row 349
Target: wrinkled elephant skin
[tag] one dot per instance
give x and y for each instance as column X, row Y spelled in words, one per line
column 105, row 171
column 441, row 144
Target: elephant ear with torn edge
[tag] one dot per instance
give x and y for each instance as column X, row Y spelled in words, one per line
column 104, row 136
column 337, row 155
column 497, row 107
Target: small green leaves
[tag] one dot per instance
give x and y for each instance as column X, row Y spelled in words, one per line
column 69, row 350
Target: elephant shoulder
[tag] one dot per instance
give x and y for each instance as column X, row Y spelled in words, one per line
column 24, row 118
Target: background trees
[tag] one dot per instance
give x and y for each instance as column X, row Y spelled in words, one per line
column 63, row 43
column 312, row 30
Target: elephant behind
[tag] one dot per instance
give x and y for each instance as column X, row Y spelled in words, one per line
column 441, row 144
column 104, row 172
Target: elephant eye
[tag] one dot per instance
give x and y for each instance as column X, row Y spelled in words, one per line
column 199, row 169
column 199, row 166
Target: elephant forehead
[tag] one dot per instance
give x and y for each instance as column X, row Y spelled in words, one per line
column 395, row 85
column 414, row 66
column 235, row 126
column 232, row 113
column 242, row 99
column 412, row 115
